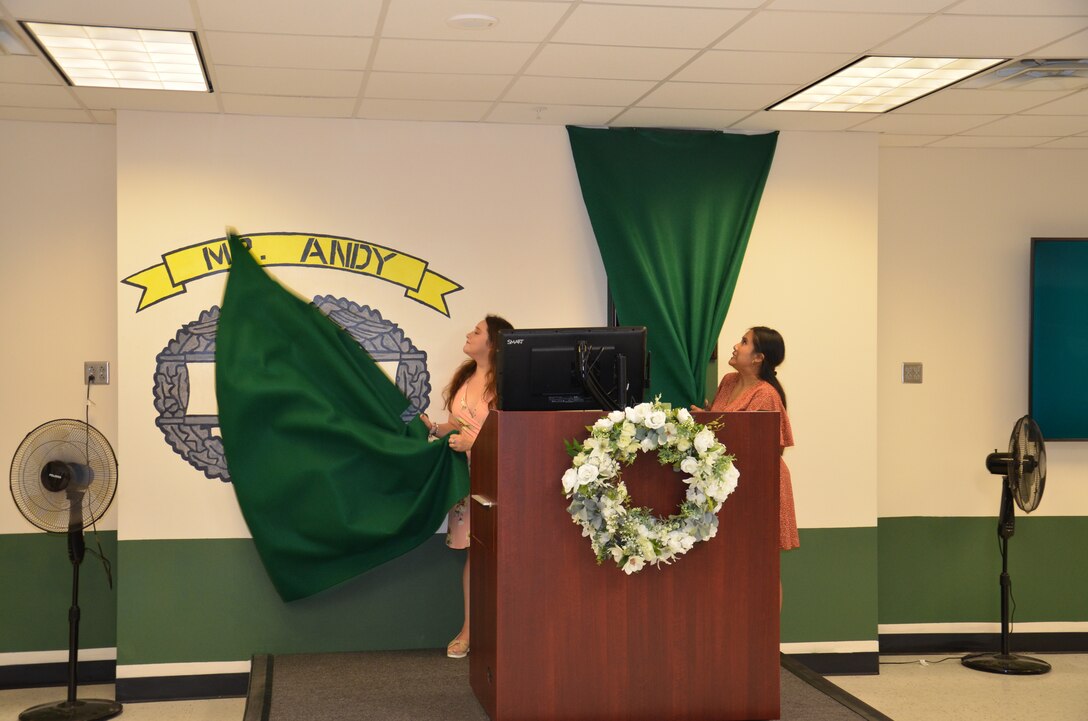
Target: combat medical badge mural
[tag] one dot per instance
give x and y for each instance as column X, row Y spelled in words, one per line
column 194, row 262
column 193, row 436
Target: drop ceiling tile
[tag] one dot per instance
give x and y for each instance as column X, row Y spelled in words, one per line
column 455, row 111
column 689, row 3
column 447, row 56
column 872, row 6
column 789, row 120
column 816, row 32
column 978, row 37
column 36, row 96
column 357, row 18
column 1075, row 104
column 676, row 118
column 1074, row 46
column 287, row 106
column 735, row 66
column 432, row 86
column 551, row 114
column 164, row 100
column 289, row 81
column 727, row 96
column 980, row 102
column 288, row 51
column 27, row 69
column 647, row 26
column 1018, row 7
column 920, row 124
column 48, row 115
column 966, row 141
column 1067, row 143
column 608, row 61
column 576, row 91
column 890, row 140
column 105, row 117
column 164, row 14
column 521, row 21
column 1033, row 125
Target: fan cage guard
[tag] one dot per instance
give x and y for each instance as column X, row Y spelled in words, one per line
column 1027, row 442
column 70, row 441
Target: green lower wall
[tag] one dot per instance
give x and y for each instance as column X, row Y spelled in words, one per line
column 36, row 592
column 946, row 570
column 829, row 586
column 210, row 600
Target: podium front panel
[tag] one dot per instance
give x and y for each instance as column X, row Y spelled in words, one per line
column 557, row 637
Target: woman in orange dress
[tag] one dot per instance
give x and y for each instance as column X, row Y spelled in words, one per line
column 469, row 397
column 755, row 387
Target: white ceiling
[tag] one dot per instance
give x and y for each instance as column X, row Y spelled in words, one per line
column 660, row 63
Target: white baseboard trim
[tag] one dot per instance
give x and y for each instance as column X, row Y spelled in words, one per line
column 154, row 670
column 830, row 647
column 984, row 627
column 29, row 658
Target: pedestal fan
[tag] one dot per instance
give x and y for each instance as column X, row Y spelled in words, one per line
column 63, row 478
column 1024, row 471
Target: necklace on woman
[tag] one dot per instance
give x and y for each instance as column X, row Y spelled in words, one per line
column 464, row 403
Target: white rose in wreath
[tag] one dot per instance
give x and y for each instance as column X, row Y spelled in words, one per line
column 703, row 440
column 656, row 419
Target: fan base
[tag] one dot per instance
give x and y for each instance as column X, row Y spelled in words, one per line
column 1007, row 663
column 78, row 710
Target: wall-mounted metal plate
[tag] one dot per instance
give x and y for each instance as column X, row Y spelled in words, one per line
column 912, row 372
column 96, row 373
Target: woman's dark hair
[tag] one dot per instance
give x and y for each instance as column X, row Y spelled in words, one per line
column 465, row 370
column 769, row 342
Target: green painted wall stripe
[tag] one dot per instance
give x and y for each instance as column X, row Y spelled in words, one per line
column 829, row 586
column 36, row 592
column 946, row 570
column 210, row 600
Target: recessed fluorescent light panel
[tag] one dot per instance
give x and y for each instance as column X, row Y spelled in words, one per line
column 101, row 57
column 879, row 84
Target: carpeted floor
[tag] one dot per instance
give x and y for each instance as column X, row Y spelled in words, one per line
column 427, row 686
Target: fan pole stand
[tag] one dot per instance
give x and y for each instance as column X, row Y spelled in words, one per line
column 73, row 709
column 1005, row 662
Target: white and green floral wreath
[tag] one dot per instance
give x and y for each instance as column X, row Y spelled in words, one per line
column 635, row 537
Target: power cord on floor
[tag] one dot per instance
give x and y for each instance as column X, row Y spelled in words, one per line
column 921, row 661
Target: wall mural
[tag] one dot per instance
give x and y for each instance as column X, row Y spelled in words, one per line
column 193, row 436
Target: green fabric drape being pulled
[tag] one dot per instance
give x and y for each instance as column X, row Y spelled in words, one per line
column 672, row 211
column 330, row 480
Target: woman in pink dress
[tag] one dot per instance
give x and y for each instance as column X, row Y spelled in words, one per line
column 469, row 397
column 755, row 387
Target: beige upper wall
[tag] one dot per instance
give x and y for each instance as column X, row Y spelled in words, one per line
column 58, row 234
column 810, row 273
column 951, row 283
column 955, row 232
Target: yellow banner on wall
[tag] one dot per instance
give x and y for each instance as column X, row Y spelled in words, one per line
column 194, row 262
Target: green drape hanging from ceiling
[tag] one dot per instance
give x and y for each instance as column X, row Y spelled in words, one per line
column 672, row 211
column 330, row 480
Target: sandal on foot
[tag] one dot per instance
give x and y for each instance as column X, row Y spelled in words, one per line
column 457, row 648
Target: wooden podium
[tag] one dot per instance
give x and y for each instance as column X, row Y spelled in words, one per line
column 555, row 637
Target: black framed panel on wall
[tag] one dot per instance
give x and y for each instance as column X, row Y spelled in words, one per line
column 1058, row 375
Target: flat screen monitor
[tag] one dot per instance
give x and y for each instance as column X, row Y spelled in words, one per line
column 1058, row 389
column 545, row 369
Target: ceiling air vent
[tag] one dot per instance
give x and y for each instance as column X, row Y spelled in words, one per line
column 1033, row 75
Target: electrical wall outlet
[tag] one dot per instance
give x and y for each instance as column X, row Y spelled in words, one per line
column 912, row 372
column 96, row 373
